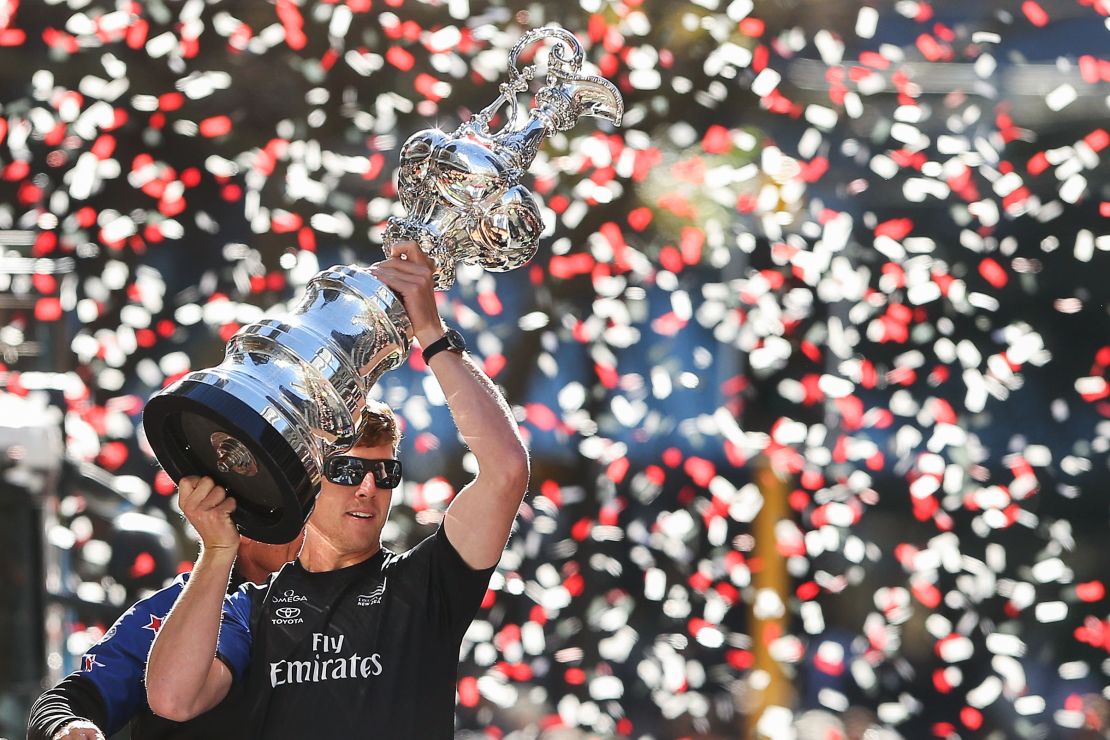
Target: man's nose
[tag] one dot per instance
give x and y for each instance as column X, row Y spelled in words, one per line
column 367, row 486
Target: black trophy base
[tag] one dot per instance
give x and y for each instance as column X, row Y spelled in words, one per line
column 273, row 491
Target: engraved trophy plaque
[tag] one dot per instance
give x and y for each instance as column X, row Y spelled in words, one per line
column 289, row 390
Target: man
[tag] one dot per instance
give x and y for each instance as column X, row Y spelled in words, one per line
column 350, row 639
column 107, row 692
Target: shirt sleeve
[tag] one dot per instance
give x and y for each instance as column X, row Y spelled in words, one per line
column 116, row 664
column 234, row 644
column 455, row 590
column 75, row 698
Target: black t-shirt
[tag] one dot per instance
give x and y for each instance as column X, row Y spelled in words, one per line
column 370, row 650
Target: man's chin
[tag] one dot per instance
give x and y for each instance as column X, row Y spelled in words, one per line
column 362, row 536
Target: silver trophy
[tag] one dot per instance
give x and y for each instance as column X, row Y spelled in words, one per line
column 290, row 390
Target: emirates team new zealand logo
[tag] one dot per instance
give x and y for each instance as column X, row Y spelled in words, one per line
column 374, row 597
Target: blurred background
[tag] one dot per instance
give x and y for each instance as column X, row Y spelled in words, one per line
column 813, row 360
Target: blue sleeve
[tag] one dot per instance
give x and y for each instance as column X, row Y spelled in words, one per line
column 116, row 664
column 234, row 644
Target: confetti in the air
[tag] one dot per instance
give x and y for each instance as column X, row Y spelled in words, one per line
column 813, row 362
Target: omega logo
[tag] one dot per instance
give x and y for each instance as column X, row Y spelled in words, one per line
column 288, row 597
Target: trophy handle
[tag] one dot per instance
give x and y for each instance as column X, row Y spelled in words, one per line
column 559, row 65
column 568, row 94
column 519, row 81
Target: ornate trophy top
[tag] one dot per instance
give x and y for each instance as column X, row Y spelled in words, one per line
column 462, row 190
column 567, row 95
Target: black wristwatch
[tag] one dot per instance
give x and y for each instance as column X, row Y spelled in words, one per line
column 452, row 341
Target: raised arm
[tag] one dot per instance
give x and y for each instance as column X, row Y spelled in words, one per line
column 480, row 519
column 184, row 678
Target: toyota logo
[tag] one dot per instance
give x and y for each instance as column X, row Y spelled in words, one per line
column 287, row 612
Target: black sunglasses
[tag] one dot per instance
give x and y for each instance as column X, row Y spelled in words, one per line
column 348, row 470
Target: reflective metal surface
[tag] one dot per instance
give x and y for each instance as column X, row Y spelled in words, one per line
column 302, row 380
column 232, row 456
column 462, row 190
column 289, row 391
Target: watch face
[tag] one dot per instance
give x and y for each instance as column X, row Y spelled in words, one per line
column 455, row 341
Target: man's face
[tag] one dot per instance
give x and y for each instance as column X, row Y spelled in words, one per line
column 351, row 518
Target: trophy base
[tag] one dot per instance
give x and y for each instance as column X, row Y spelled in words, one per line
column 203, row 429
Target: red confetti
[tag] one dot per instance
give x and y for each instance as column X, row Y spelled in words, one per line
column 112, row 455
column 143, row 565
column 1035, row 13
column 48, row 309
column 701, row 471
column 490, row 303
column 12, row 37
column 215, row 126
column 1090, row 591
column 896, row 229
column 717, row 140
column 163, row 484
column 1098, row 139
column 575, row 676
column 993, row 272
column 639, row 218
column 971, row 717
column 400, row 58
column 752, row 27
column 468, row 691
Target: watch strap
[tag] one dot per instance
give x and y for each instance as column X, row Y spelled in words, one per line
column 451, row 341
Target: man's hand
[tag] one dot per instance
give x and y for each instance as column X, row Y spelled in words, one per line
column 208, row 508
column 79, row 730
column 408, row 273
column 183, row 676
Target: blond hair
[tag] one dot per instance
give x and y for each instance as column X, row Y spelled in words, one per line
column 378, row 426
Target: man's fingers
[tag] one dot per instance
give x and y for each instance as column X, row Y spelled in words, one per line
column 397, row 268
column 406, row 267
column 203, row 487
column 187, row 485
column 191, row 498
column 399, row 281
column 400, row 284
column 411, row 253
column 405, row 250
column 79, row 730
column 215, row 497
column 226, row 506
column 189, row 490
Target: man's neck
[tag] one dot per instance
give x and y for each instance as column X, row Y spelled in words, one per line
column 319, row 555
column 248, row 571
